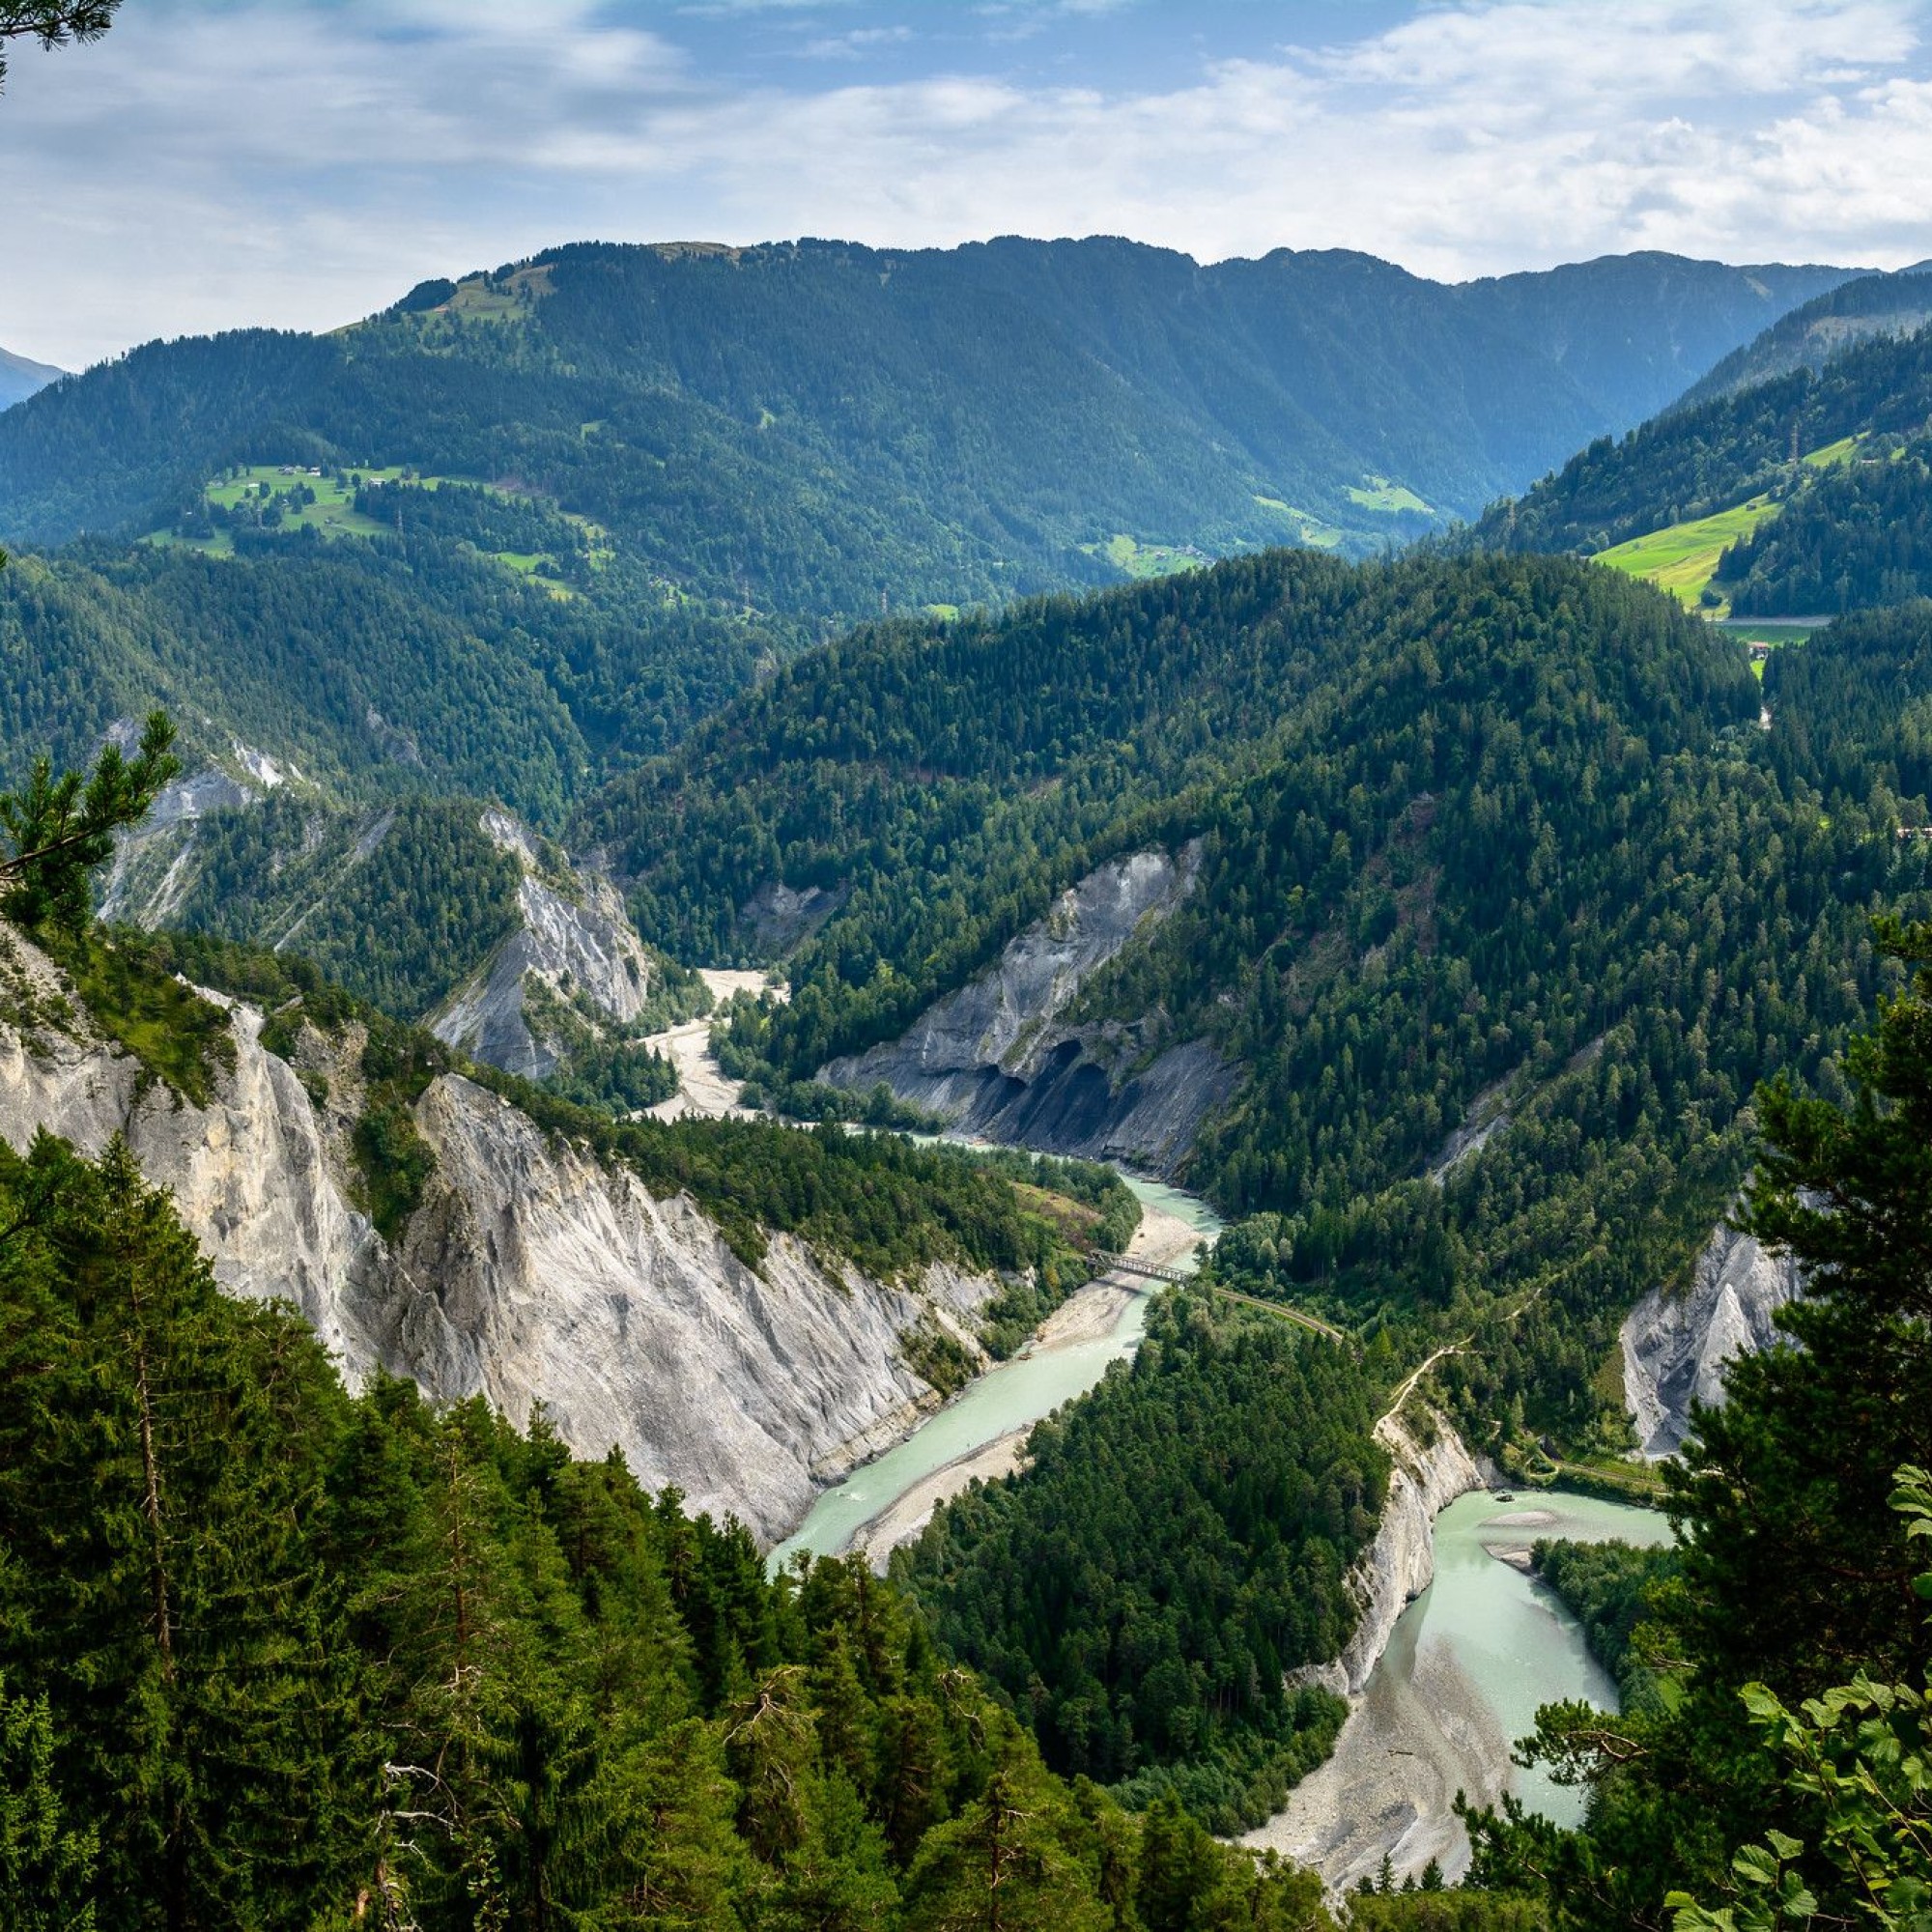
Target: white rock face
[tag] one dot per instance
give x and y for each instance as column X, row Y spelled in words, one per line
column 1676, row 1348
column 991, row 1059
column 531, row 1274
column 249, row 1173
column 1400, row 1564
column 577, row 942
column 155, row 863
column 1413, row 1738
column 636, row 1326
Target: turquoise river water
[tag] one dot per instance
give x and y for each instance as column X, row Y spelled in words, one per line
column 1018, row 1391
column 1511, row 1644
column 1507, row 1633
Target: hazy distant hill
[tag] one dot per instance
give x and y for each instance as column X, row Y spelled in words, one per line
column 1634, row 330
column 1811, row 335
column 20, row 378
column 1707, row 457
column 810, row 426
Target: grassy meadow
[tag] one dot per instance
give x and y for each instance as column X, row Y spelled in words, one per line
column 1683, row 558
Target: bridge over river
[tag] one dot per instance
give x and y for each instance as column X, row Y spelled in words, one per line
column 1147, row 1271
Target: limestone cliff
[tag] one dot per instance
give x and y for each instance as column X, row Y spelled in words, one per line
column 156, row 863
column 1400, row 1564
column 994, row 1058
column 573, row 937
column 1676, row 1346
column 530, row 1273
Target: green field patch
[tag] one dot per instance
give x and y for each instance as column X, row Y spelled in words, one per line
column 309, row 497
column 947, row 614
column 1146, row 559
column 332, row 514
column 488, row 298
column 220, row 544
column 1683, row 559
column 531, row 564
column 1309, row 529
column 1769, row 631
column 1384, row 493
column 1762, row 635
column 1834, row 455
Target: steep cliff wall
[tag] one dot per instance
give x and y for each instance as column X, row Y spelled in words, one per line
column 1414, row 1739
column 156, row 863
column 573, row 934
column 1400, row 1564
column 1676, row 1346
column 529, row 1275
column 993, row 1058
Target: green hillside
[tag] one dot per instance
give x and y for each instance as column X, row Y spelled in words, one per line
column 1699, row 460
column 1505, row 827
column 1457, row 818
column 521, row 531
column 21, row 378
column 1683, row 559
column 1814, row 332
column 1496, row 826
column 807, row 425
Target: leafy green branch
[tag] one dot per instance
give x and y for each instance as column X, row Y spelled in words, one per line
column 1863, row 1754
column 62, row 828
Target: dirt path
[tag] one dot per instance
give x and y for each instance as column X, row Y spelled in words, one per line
column 1407, row 1389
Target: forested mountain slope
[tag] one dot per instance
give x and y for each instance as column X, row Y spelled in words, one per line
column 1498, row 841
column 436, row 1220
column 809, row 424
column 516, row 535
column 410, row 655
column 1855, row 536
column 1635, row 330
column 1811, row 334
column 380, row 1661
column 1712, row 455
column 1804, row 491
column 351, row 706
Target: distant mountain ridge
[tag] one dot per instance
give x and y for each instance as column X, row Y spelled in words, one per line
column 1810, row 335
column 1799, row 487
column 808, row 425
column 1634, row 330
column 21, row 378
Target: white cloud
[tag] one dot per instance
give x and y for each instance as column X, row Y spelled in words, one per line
column 859, row 42
column 300, row 165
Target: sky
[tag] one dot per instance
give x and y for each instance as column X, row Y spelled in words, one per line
column 220, row 163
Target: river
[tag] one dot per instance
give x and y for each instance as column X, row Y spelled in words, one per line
column 977, row 1434
column 1466, row 1666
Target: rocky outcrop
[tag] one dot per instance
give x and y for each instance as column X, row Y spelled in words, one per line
column 1400, row 1564
column 776, row 918
column 1676, row 1346
column 573, row 934
column 530, row 1273
column 563, row 1282
column 992, row 1058
column 1414, row 1736
column 155, row 864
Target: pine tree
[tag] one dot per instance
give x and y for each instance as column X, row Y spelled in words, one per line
column 1004, row 1863
column 46, row 1864
column 162, row 1467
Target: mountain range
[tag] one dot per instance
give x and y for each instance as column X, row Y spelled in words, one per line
column 813, row 424
column 21, row 378
column 1477, row 926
